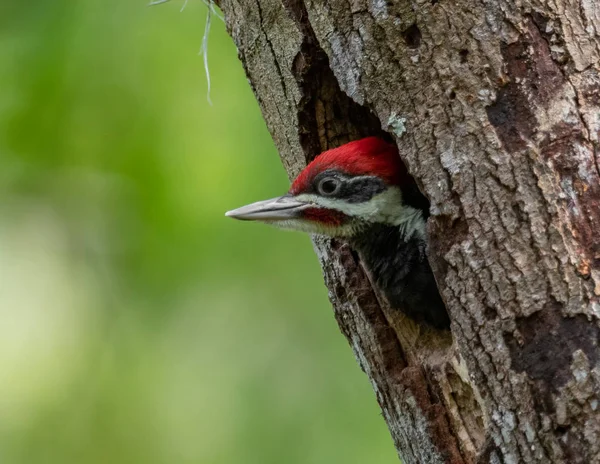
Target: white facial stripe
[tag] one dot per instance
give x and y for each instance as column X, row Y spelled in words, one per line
column 385, row 208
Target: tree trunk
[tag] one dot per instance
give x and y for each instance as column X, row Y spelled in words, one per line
column 495, row 108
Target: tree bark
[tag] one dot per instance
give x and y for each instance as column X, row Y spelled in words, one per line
column 495, row 108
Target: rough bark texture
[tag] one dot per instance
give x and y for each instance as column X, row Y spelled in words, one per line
column 495, row 108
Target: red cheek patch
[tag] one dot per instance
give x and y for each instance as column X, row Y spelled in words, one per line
column 324, row 216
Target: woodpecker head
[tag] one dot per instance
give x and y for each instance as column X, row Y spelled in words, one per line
column 341, row 192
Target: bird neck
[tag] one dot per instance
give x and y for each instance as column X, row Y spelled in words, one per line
column 396, row 257
column 404, row 208
column 410, row 223
column 377, row 241
column 407, row 222
column 390, row 256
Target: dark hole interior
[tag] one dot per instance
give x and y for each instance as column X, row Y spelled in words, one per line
column 412, row 36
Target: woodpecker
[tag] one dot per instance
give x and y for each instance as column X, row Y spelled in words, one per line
column 361, row 192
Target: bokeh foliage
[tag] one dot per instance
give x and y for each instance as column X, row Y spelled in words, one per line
column 138, row 325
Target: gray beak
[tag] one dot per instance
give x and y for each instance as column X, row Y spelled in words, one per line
column 275, row 209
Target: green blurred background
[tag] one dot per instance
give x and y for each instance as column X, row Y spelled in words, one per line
column 138, row 325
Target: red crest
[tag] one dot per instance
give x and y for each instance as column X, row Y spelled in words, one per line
column 368, row 156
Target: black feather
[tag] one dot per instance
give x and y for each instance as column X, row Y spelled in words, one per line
column 401, row 271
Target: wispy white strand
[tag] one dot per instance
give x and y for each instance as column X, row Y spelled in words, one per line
column 204, row 53
column 211, row 4
column 211, row 10
column 157, row 2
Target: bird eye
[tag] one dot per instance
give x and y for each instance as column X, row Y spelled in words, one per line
column 329, row 186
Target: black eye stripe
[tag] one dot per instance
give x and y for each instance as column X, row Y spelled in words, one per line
column 363, row 189
column 353, row 189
